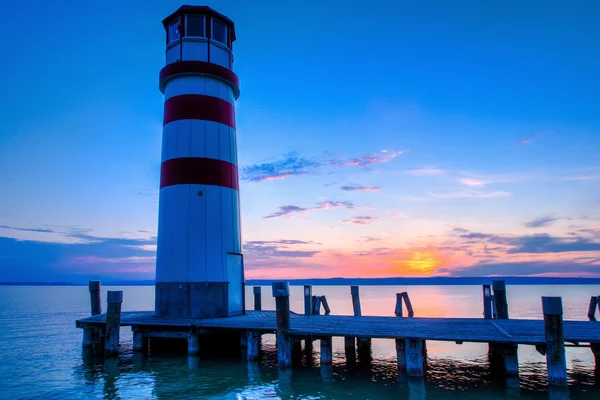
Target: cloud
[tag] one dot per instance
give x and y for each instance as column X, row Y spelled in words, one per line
column 370, row 159
column 472, row 182
column 39, row 230
column 539, row 268
column 368, row 239
column 425, row 171
column 470, row 194
column 360, row 188
column 294, row 165
column 277, row 248
column 544, row 220
column 588, row 177
column 361, row 220
column 291, row 165
column 541, row 243
column 285, row 211
column 89, row 258
column 395, row 214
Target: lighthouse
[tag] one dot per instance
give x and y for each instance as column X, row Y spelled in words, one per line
column 199, row 261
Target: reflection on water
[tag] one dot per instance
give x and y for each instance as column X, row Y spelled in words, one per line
column 42, row 355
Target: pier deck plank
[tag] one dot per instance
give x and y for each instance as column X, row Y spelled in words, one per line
column 518, row 331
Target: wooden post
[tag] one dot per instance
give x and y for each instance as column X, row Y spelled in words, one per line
column 326, row 350
column 400, row 343
column 138, row 340
column 113, row 322
column 595, row 347
column 414, row 357
column 501, row 301
column 308, row 303
column 281, row 292
column 257, row 298
column 409, row 307
column 555, row 341
column 316, row 301
column 325, row 305
column 355, row 300
column 253, row 345
column 193, row 344
column 95, row 299
column 509, row 352
column 364, row 344
column 592, row 308
column 487, row 302
column 88, row 338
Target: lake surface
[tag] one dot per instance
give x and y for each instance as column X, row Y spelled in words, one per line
column 41, row 354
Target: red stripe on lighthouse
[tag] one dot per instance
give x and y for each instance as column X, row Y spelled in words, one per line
column 199, row 106
column 199, row 171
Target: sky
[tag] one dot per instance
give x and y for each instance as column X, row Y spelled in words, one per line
column 387, row 138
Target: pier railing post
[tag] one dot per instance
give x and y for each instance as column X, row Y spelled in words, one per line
column 308, row 302
column 400, row 343
column 113, row 322
column 257, row 298
column 555, row 341
column 281, row 292
column 95, row 300
column 594, row 300
column 500, row 299
column 354, row 291
column 595, row 347
column 253, row 345
column 487, row 302
column 508, row 351
column 363, row 344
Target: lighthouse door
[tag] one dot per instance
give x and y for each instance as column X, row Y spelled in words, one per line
column 234, row 276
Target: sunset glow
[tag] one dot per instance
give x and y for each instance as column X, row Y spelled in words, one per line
column 468, row 149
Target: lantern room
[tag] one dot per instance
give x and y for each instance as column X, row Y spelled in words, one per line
column 199, row 33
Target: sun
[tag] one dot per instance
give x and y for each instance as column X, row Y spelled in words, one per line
column 421, row 262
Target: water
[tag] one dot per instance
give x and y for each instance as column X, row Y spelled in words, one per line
column 41, row 354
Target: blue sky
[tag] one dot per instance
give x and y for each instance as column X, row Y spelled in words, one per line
column 398, row 132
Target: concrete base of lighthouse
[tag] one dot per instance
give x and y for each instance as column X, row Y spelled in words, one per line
column 194, row 300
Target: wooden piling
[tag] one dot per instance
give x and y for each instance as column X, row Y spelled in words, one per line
column 257, row 290
column 499, row 288
column 508, row 352
column 592, row 308
column 364, row 344
column 355, row 300
column 555, row 345
column 325, row 305
column 487, row 302
column 326, row 350
column 316, row 302
column 308, row 302
column 88, row 338
column 138, row 340
column 113, row 322
column 595, row 346
column 400, row 343
column 193, row 343
column 253, row 343
column 414, row 357
column 281, row 292
column 95, row 299
column 409, row 307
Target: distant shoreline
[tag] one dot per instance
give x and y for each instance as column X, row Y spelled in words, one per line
column 433, row 281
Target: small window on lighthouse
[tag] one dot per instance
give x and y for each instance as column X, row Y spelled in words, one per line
column 173, row 33
column 219, row 32
column 195, row 26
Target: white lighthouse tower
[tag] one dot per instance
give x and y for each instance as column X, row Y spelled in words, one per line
column 199, row 263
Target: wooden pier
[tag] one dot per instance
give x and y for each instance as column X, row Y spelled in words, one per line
column 549, row 335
